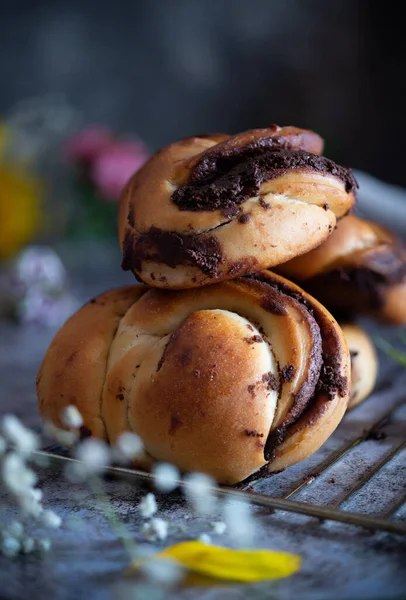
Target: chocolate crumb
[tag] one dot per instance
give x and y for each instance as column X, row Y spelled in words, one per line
column 253, row 433
column 250, row 327
column 119, row 396
column 288, row 373
column 251, row 390
column 326, row 206
column 264, row 204
column 152, row 277
column 270, row 380
column 254, row 339
column 245, row 218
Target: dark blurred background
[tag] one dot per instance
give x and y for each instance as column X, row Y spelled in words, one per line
column 167, row 69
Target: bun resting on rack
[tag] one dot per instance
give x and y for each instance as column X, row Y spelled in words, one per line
column 361, row 268
column 238, row 379
column 216, row 207
column 364, row 363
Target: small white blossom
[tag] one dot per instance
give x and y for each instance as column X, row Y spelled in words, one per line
column 27, row 545
column 16, row 476
column 219, row 527
column 205, row 538
column 240, row 523
column 63, row 437
column 128, row 446
column 15, row 529
column 156, row 529
column 30, row 503
column 24, row 440
column 10, row 546
column 166, row 477
column 44, row 544
column 51, row 519
column 166, row 572
column 147, row 506
column 94, row 455
column 71, row 417
column 199, row 491
column 3, row 445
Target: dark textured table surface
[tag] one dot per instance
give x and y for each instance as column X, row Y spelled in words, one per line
column 339, row 561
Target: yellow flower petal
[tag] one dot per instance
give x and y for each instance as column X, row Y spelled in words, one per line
column 244, row 566
column 20, row 209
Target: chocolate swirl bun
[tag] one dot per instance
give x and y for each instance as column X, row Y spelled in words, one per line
column 216, row 207
column 361, row 268
column 364, row 363
column 240, row 378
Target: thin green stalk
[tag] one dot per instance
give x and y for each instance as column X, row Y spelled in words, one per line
column 113, row 519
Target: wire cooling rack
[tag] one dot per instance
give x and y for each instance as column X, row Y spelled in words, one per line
column 366, row 464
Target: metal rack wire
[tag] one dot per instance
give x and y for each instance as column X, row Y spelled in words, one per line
column 288, row 502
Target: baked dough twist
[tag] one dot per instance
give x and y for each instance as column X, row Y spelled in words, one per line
column 240, row 378
column 210, row 208
column 361, row 268
column 364, row 363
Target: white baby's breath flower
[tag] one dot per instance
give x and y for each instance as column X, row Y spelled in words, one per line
column 166, row 572
column 94, row 455
column 63, row 437
column 156, row 529
column 44, row 544
column 15, row 529
column 3, row 445
column 147, row 506
column 166, row 477
column 9, row 546
column 51, row 519
column 204, row 538
column 198, row 489
column 23, row 440
column 128, row 446
column 219, row 527
column 27, row 545
column 71, row 417
column 239, row 521
column 30, row 503
column 16, row 476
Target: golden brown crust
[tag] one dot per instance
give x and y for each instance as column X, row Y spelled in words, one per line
column 364, row 363
column 183, row 224
column 74, row 368
column 361, row 268
column 224, row 379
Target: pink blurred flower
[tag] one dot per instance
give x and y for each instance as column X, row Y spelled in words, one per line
column 86, row 145
column 114, row 165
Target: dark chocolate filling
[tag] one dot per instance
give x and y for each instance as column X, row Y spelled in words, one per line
column 227, row 177
column 325, row 380
column 172, row 249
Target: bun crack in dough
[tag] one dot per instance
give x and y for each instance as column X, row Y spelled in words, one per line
column 237, row 379
column 216, row 207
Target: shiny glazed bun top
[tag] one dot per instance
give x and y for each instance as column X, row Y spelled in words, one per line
column 215, row 207
column 238, row 378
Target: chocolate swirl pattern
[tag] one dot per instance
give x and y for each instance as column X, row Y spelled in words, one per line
column 238, row 378
column 361, row 268
column 212, row 208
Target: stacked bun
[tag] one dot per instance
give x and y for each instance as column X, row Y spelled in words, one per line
column 218, row 365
